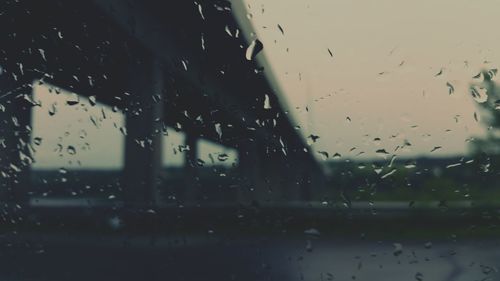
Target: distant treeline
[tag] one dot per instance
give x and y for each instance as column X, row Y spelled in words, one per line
column 173, row 184
column 421, row 179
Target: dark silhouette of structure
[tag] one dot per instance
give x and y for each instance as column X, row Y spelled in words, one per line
column 162, row 63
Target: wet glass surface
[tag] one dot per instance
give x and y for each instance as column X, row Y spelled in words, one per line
column 249, row 140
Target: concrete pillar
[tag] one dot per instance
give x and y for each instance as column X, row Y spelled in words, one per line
column 273, row 176
column 271, row 163
column 252, row 173
column 305, row 185
column 15, row 133
column 309, row 176
column 192, row 154
column 191, row 190
column 283, row 176
column 143, row 148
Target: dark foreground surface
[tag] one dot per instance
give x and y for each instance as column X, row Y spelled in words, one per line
column 252, row 243
column 225, row 256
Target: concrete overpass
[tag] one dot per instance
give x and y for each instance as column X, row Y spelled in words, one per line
column 163, row 63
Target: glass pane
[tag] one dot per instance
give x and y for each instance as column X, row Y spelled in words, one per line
column 249, row 140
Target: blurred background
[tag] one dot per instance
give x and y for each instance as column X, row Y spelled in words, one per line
column 249, row 140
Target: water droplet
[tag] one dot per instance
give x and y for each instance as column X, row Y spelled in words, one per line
column 479, row 94
column 200, row 10
column 184, row 64
column 42, row 53
column 281, row 29
column 398, row 249
column 453, row 165
column 377, row 169
column 382, row 152
column 267, row 103
column 486, row 270
column 73, row 99
column 393, row 159
column 37, row 140
column 330, row 52
column 30, row 100
column 309, row 246
column 255, row 47
column 312, row 139
column 222, row 157
column 200, row 162
column 52, row 109
column 218, row 129
column 476, row 117
column 115, row 222
column 497, row 105
column 92, row 100
column 202, row 42
column 436, row 148
column 388, row 174
column 492, row 73
column 312, row 232
column 324, row 155
column 451, row 89
column 71, row 150
column 15, row 168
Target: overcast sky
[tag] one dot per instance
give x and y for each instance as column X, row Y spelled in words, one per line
column 87, row 135
column 386, row 78
column 383, row 73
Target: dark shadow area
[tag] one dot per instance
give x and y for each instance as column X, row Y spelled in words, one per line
column 275, row 212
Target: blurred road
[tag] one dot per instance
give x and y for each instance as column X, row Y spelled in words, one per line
column 214, row 256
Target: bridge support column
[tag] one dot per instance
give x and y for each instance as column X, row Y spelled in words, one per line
column 250, row 166
column 271, row 165
column 191, row 192
column 306, row 176
column 15, row 134
column 279, row 172
column 143, row 144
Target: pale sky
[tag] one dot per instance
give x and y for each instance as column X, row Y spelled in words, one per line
column 382, row 75
column 381, row 81
column 87, row 135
